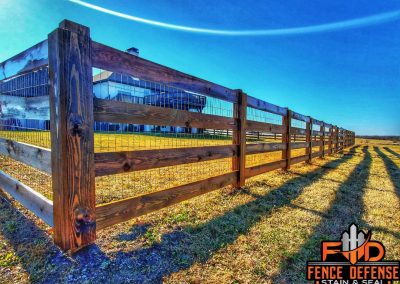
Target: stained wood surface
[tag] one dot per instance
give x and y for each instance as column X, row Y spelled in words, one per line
column 265, row 106
column 71, row 102
column 286, row 138
column 261, row 169
column 308, row 139
column 121, row 112
column 30, row 59
column 299, row 145
column 123, row 210
column 264, row 147
column 299, row 159
column 114, row 60
column 34, row 156
column 301, row 117
column 240, row 137
column 264, row 127
column 298, row 131
column 128, row 161
column 29, row 198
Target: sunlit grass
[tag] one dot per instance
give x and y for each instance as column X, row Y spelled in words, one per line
column 262, row 234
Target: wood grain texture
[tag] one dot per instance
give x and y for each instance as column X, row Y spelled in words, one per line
column 114, row 60
column 239, row 137
column 122, row 112
column 261, row 169
column 299, row 145
column 30, row 199
column 287, row 137
column 299, row 159
column 33, row 58
column 301, row 117
column 121, row 162
column 265, row 106
column 123, row 210
column 264, row 147
column 34, row 156
column 298, row 131
column 308, row 139
column 71, row 102
column 264, row 127
column 322, row 139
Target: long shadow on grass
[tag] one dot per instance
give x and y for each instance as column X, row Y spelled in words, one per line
column 34, row 249
column 391, row 151
column 181, row 249
column 346, row 208
column 392, row 169
column 177, row 250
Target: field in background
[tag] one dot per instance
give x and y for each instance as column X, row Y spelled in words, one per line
column 262, row 234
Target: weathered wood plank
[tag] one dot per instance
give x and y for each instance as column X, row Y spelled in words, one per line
column 265, row 106
column 299, row 145
column 316, row 154
column 239, row 136
column 298, row 131
column 300, row 116
column 287, row 137
column 114, row 60
column 261, row 169
column 264, row 147
column 264, row 127
column 309, row 126
column 315, row 143
column 128, row 161
column 317, row 122
column 123, row 210
column 122, row 112
column 30, row 59
column 71, row 104
column 299, row 159
column 322, row 139
column 29, row 198
column 34, row 156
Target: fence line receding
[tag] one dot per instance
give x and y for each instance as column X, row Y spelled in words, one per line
column 91, row 136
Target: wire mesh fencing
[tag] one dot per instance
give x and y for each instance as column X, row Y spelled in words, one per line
column 116, row 137
column 24, row 117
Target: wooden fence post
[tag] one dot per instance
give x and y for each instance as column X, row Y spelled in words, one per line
column 286, row 138
column 239, row 138
column 72, row 141
column 309, row 140
column 330, row 140
column 322, row 140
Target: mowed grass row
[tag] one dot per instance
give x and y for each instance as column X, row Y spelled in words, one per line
column 115, row 187
column 263, row 234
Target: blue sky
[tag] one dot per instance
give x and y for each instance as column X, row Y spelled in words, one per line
column 347, row 77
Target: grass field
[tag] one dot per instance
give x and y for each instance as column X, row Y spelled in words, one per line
column 110, row 188
column 263, row 234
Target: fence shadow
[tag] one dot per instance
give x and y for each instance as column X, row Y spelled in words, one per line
column 391, row 151
column 346, row 208
column 392, row 169
column 176, row 251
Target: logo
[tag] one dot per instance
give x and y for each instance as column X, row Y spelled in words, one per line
column 355, row 259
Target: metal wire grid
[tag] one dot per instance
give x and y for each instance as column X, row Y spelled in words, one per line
column 110, row 137
column 254, row 137
column 24, row 117
column 121, row 87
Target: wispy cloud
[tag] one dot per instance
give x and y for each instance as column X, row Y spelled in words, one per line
column 347, row 24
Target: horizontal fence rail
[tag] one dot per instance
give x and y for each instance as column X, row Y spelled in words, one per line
column 246, row 126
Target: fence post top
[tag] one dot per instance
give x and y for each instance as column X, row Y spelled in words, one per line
column 73, row 27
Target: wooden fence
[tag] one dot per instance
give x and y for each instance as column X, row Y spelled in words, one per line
column 70, row 54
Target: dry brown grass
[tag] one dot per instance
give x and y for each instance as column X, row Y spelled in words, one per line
column 260, row 235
